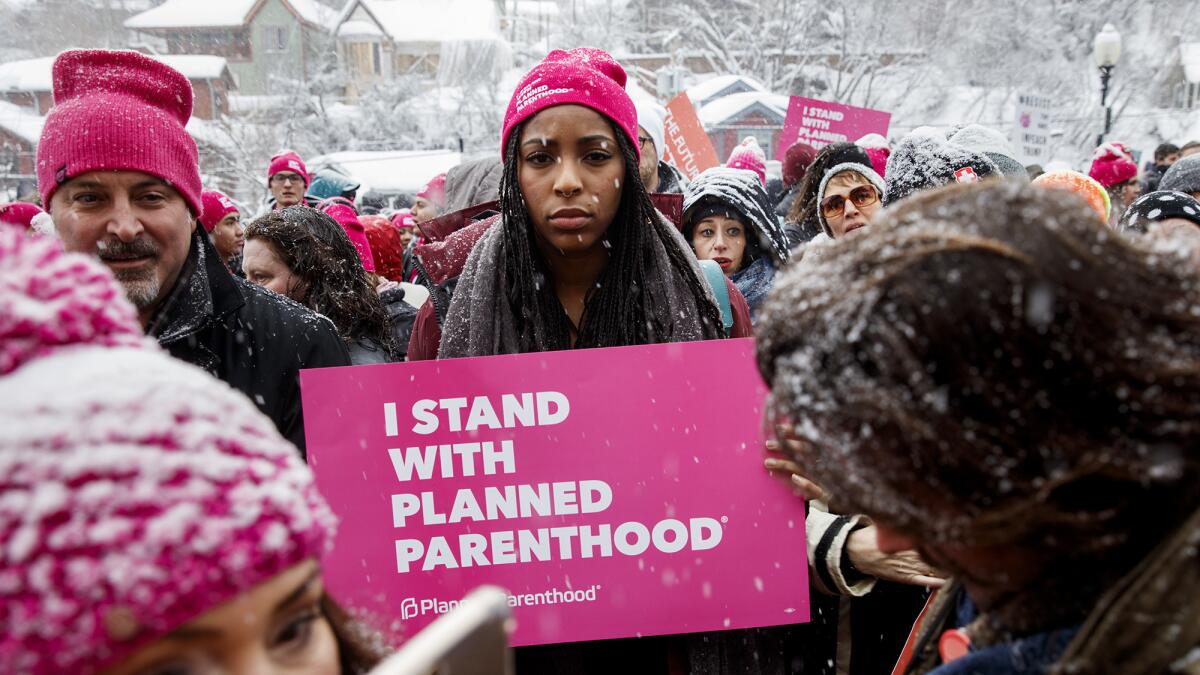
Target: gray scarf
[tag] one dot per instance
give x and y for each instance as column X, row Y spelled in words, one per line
column 480, row 321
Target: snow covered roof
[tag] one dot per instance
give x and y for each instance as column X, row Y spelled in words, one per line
column 709, row 89
column 36, row 74
column 426, row 21
column 390, row 172
column 1189, row 56
column 23, row 123
column 726, row 108
column 26, row 75
column 221, row 14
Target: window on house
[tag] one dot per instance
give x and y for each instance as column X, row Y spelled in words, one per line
column 275, row 38
column 364, row 58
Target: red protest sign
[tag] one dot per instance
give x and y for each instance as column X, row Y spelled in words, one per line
column 689, row 148
column 821, row 123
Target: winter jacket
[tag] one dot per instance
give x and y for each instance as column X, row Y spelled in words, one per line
column 1146, row 624
column 472, row 183
column 253, row 339
column 367, row 352
column 1153, row 177
column 400, row 319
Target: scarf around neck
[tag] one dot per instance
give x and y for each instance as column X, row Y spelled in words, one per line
column 481, row 320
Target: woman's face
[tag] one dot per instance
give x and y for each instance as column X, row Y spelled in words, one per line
column 570, row 170
column 406, row 237
column 721, row 239
column 264, row 267
column 1129, row 192
column 275, row 628
column 859, row 202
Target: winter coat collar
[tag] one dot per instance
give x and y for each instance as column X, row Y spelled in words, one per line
column 204, row 292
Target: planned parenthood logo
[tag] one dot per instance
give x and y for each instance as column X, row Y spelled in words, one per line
column 411, row 608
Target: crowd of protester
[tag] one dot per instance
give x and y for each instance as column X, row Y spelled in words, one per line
column 984, row 377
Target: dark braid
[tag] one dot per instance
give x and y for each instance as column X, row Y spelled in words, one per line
column 614, row 311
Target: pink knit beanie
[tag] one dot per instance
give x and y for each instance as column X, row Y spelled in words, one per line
column 288, row 161
column 137, row 492
column 750, row 157
column 1112, row 164
column 118, row 111
column 340, row 210
column 435, row 190
column 583, row 76
column 216, row 207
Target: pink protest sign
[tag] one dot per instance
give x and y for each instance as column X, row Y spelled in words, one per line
column 821, row 123
column 689, row 148
column 612, row 492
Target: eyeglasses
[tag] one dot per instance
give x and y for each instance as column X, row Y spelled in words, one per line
column 643, row 140
column 835, row 207
column 282, row 178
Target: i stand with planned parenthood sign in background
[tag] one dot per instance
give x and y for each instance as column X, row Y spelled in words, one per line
column 612, row 492
column 822, row 123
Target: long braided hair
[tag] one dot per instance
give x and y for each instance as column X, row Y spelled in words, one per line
column 615, row 311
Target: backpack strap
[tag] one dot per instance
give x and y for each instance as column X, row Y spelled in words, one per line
column 716, row 281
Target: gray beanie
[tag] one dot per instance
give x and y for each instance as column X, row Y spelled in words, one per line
column 923, row 162
column 995, row 145
column 1183, row 176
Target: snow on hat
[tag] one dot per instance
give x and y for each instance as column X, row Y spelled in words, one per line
column 796, row 160
column 1112, row 164
column 26, row 215
column 995, row 145
column 878, row 149
column 864, row 170
column 118, row 111
column 343, row 212
column 435, row 190
column 749, row 156
column 923, row 161
column 1085, row 186
column 138, row 491
column 583, row 76
column 653, row 118
column 386, row 250
column 288, row 160
column 216, row 207
column 1183, row 176
column 1161, row 205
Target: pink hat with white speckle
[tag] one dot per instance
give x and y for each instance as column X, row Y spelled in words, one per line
column 136, row 491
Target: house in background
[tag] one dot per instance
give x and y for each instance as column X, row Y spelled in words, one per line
column 267, row 43
column 732, row 108
column 378, row 40
column 20, row 129
column 29, row 83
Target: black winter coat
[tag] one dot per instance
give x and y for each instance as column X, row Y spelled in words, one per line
column 254, row 340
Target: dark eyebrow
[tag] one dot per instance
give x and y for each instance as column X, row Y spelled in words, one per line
column 594, row 138
column 303, row 587
column 151, row 183
column 299, row 591
column 544, row 142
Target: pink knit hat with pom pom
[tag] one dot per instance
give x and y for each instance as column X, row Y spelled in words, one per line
column 136, row 492
column 749, row 156
column 1112, row 164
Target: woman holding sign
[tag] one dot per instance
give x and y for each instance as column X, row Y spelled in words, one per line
column 578, row 257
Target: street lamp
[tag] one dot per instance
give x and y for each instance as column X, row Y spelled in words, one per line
column 1106, row 50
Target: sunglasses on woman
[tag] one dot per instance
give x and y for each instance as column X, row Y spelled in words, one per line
column 835, row 206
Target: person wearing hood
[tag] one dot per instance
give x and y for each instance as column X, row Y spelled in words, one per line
column 125, row 109
column 657, row 175
column 472, row 183
column 924, row 160
column 328, row 183
column 995, row 146
column 1068, row 395
column 1183, row 176
column 154, row 520
column 727, row 219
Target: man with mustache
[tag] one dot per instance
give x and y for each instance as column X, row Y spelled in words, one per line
column 121, row 179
